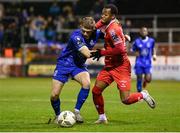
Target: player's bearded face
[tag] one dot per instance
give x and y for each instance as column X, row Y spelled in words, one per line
column 86, row 32
column 106, row 16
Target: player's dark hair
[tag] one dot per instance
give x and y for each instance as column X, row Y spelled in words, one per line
column 114, row 9
column 143, row 26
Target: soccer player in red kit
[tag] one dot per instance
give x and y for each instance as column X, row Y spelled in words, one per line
column 117, row 65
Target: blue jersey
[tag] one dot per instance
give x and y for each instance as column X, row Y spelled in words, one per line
column 145, row 48
column 70, row 55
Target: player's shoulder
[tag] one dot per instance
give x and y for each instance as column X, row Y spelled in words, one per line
column 97, row 33
column 76, row 32
column 137, row 40
column 76, row 35
column 115, row 26
column 151, row 39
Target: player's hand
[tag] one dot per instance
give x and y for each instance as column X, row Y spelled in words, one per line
column 96, row 54
column 154, row 57
column 127, row 37
column 137, row 53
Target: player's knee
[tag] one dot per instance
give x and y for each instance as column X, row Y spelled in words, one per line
column 148, row 80
column 96, row 91
column 86, row 84
column 54, row 96
column 125, row 101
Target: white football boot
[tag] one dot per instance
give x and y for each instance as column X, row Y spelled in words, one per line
column 101, row 121
column 149, row 100
column 79, row 118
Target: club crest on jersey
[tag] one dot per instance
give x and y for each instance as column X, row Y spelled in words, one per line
column 114, row 36
column 140, row 45
column 92, row 43
column 123, row 83
column 78, row 40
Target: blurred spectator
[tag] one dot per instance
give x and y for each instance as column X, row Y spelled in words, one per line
column 1, row 38
column 11, row 35
column 31, row 11
column 54, row 9
column 59, row 26
column 50, row 31
column 1, row 11
column 69, row 17
column 37, row 29
column 97, row 8
column 127, row 29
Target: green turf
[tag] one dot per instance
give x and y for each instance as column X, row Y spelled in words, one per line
column 25, row 106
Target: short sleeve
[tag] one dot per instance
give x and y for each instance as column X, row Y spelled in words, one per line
column 134, row 46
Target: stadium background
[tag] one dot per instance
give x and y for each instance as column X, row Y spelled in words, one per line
column 32, row 33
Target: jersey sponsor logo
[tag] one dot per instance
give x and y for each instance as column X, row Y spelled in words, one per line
column 114, row 36
column 92, row 43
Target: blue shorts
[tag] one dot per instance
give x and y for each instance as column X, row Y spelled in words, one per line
column 142, row 70
column 62, row 73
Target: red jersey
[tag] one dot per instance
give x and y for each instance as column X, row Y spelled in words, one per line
column 115, row 53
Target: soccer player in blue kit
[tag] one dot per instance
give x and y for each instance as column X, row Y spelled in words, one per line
column 144, row 48
column 71, row 63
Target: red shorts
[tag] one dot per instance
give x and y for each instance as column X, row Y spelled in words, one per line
column 120, row 75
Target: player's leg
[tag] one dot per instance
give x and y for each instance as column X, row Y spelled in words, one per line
column 55, row 92
column 83, row 78
column 99, row 100
column 103, row 80
column 139, row 79
column 130, row 98
column 147, row 76
column 139, row 82
column 123, row 81
column 59, row 78
column 55, row 100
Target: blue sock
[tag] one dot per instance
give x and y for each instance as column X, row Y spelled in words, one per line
column 139, row 85
column 56, row 106
column 83, row 94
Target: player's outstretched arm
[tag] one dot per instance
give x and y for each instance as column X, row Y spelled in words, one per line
column 154, row 54
column 117, row 50
column 127, row 37
column 85, row 51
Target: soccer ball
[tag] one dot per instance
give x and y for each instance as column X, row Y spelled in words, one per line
column 66, row 119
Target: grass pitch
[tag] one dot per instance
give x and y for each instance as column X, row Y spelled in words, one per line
column 25, row 106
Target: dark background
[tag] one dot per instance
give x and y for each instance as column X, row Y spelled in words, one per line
column 83, row 7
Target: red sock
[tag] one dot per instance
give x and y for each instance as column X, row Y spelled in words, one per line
column 98, row 99
column 133, row 98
